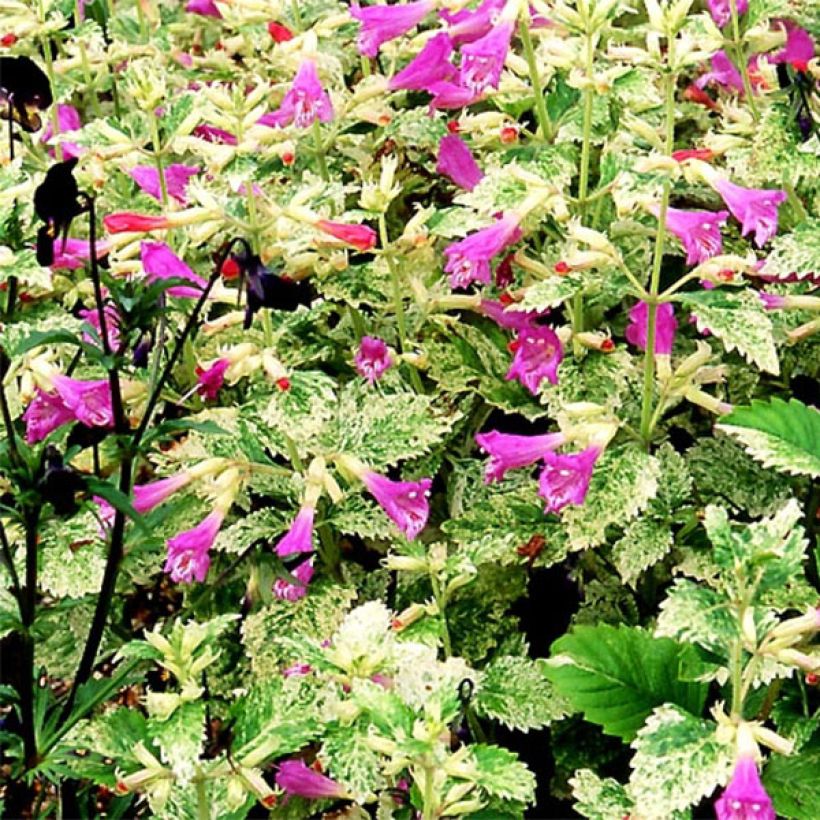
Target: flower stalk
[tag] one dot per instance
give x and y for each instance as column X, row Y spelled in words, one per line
column 544, row 122
column 742, row 61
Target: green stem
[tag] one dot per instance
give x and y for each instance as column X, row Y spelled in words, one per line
column 586, row 138
column 541, row 112
column 742, row 63
column 203, row 811
column 293, row 453
column 357, row 321
column 163, row 186
column 298, row 23
column 32, row 520
column 736, row 673
column 441, row 604
column 143, row 22
column 320, row 149
column 429, row 807
column 45, row 44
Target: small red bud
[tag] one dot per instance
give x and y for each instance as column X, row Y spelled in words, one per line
column 385, row 119
column 279, row 33
column 288, row 158
column 317, row 766
column 230, row 269
column 798, row 65
column 283, row 383
column 562, row 268
column 812, row 679
column 10, row 39
column 607, row 345
column 509, row 134
column 513, row 345
column 396, row 624
column 269, row 802
column 726, row 275
column 505, row 299
column 121, row 788
column 453, row 127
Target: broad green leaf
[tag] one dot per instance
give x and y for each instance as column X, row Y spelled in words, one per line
column 678, row 761
column 617, row 676
column 739, row 321
column 501, row 774
column 599, row 798
column 783, row 435
column 793, row 784
column 181, row 738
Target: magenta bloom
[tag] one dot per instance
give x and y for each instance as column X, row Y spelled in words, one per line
column 405, row 502
column 188, row 559
column 483, row 59
column 745, row 797
column 68, row 119
column 468, row 260
column 431, row 65
column 456, row 161
column 295, row 777
column 361, row 237
column 447, row 95
column 286, row 591
column 46, row 412
column 721, row 10
column 305, row 102
column 538, row 353
column 772, row 301
column 799, row 47
column 205, row 8
column 723, row 73
column 75, row 253
column 665, row 326
column 89, row 401
column 148, row 496
column 468, row 25
column 383, row 23
column 299, row 538
column 509, row 452
column 160, row 262
column 372, row 358
column 177, row 177
column 698, row 231
column 210, row 133
column 112, row 321
column 510, row 319
column 565, row 479
column 754, row 208
column 297, row 670
column 211, row 379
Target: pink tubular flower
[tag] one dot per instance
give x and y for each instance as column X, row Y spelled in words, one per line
column 372, row 358
column 112, row 322
column 204, row 8
column 468, row 260
column 538, row 353
column 510, row 319
column 754, row 208
column 665, row 326
column 467, row 25
column 211, row 379
column 456, row 162
column 299, row 538
column 721, row 10
column 509, row 452
column 90, row 401
column 799, row 47
column 565, row 479
column 45, row 413
column 772, row 301
column 297, row 670
column 698, row 231
column 431, row 65
column 75, row 253
column 483, row 59
column 160, row 262
column 129, row 221
column 177, row 177
column 723, row 73
column 148, row 496
column 706, row 154
column 68, row 119
column 305, row 102
column 295, row 777
column 405, row 502
column 210, row 133
column 286, row 591
column 361, row 237
column 448, row 95
column 745, row 797
column 383, row 23
column 188, row 552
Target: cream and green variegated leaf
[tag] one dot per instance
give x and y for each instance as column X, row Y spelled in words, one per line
column 455, row 223
column 678, row 761
column 500, row 773
column 256, row 526
column 358, row 515
column 599, row 798
column 780, row 434
column 181, row 739
column 305, row 408
column 796, row 253
column 549, row 293
column 352, row 761
column 623, row 483
column 644, row 542
column 739, row 321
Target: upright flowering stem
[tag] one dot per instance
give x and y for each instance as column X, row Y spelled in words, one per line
column 669, row 80
column 157, row 152
column 540, row 105
column 741, row 61
column 320, row 149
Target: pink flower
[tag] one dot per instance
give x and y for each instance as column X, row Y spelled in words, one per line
column 565, row 479
column 721, row 10
column 468, row 260
column 429, row 66
column 698, row 231
column 279, row 33
column 665, row 326
column 509, row 452
column 46, row 412
column 456, row 162
column 299, row 538
column 295, row 777
column 211, row 379
column 754, row 208
column 383, row 23
column 538, row 353
column 68, row 119
column 210, row 133
column 483, row 59
column 160, row 262
column 205, row 8
column 372, row 358
column 112, row 321
column 305, row 102
column 177, row 177
column 286, row 591
column 799, row 47
column 745, row 797
column 188, row 559
column 467, row 25
column 90, row 401
column 75, row 253
column 129, row 221
column 510, row 319
column 448, row 95
column 297, row 670
column 405, row 502
column 772, row 301
column 723, row 73
column 148, row 496
column 361, row 237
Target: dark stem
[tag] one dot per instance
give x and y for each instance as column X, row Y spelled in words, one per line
column 11, row 297
column 8, row 423
column 32, row 519
column 9, row 561
column 11, row 130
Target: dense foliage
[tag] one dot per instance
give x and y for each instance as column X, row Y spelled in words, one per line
column 404, row 401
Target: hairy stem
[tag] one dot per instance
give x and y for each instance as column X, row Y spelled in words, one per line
column 320, row 149
column 541, row 112
column 32, row 520
column 441, row 603
column 742, row 62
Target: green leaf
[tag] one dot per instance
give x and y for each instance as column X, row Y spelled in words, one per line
column 549, row 293
column 797, row 252
column 599, row 798
column 783, row 435
column 792, row 783
column 617, row 676
column 48, row 337
column 501, row 774
column 739, row 321
column 678, row 761
column 644, row 542
column 515, row 691
column 352, row 761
